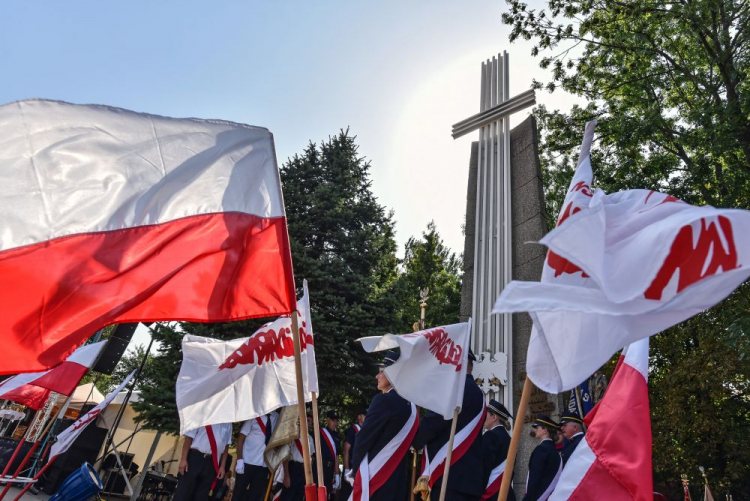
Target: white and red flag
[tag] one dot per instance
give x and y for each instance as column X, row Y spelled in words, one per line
column 231, row 381
column 613, row 460
column 622, row 267
column 111, row 216
column 429, row 359
column 66, row 438
column 32, row 389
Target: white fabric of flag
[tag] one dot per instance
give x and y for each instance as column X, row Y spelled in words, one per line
column 232, row 381
column 622, row 267
column 429, row 359
column 66, row 438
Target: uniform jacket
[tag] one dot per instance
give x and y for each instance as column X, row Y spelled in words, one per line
column 570, row 447
column 386, row 416
column 467, row 474
column 544, row 465
column 495, row 445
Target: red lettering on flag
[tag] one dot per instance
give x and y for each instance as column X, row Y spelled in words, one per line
column 445, row 350
column 584, row 188
column 696, row 262
column 86, row 419
column 557, row 262
column 267, row 346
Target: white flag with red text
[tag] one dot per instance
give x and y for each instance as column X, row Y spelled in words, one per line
column 232, row 381
column 66, row 438
column 614, row 457
column 622, row 267
column 430, row 359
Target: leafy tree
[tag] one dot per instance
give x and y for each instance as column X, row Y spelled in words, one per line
column 428, row 263
column 343, row 243
column 668, row 83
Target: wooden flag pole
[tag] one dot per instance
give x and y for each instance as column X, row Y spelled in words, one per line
column 444, row 484
column 513, row 449
column 303, row 431
column 322, row 494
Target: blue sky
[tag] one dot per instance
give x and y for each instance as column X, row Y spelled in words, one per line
column 397, row 73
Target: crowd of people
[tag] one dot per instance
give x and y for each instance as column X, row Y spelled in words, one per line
column 376, row 445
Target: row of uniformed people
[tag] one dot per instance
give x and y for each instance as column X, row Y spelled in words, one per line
column 473, row 476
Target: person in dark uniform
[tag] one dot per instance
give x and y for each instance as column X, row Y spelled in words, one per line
column 348, row 447
column 466, row 474
column 330, row 447
column 572, row 428
column 387, row 417
column 495, row 444
column 197, row 470
column 545, row 464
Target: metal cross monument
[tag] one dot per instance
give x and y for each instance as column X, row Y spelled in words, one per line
column 492, row 337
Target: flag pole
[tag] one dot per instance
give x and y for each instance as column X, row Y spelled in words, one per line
column 322, row 494
column 513, row 449
column 444, row 484
column 310, row 492
column 36, row 477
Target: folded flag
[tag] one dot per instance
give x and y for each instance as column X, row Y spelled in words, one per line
column 614, row 456
column 33, row 388
column 111, row 216
column 232, row 381
column 429, row 359
column 66, row 438
column 629, row 265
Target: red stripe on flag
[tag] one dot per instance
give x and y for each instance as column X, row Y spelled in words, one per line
column 620, row 438
column 29, row 395
column 213, row 267
column 63, row 379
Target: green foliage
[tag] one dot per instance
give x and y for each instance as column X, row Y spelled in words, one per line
column 343, row 244
column 428, row 263
column 668, row 83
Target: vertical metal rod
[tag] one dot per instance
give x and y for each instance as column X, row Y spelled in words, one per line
column 497, row 255
column 481, row 319
column 508, row 262
column 477, row 241
column 492, row 234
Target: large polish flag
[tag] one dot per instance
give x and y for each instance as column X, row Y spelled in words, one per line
column 232, row 381
column 110, row 216
column 613, row 460
column 429, row 359
column 66, row 438
column 628, row 265
column 32, row 389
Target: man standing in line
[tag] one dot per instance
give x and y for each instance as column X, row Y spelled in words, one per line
column 379, row 450
column 329, row 451
column 251, row 469
column 572, row 429
column 545, row 464
column 204, row 456
column 465, row 475
column 348, row 446
column 495, row 445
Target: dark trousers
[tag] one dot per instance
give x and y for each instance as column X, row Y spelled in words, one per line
column 251, row 485
column 195, row 484
column 296, row 489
